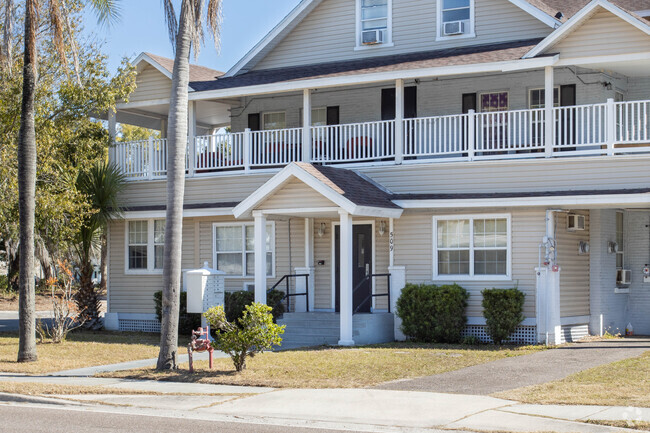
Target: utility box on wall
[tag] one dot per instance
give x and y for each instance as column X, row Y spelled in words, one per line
column 205, row 289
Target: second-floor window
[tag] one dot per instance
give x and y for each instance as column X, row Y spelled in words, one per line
column 374, row 22
column 455, row 18
column 274, row 120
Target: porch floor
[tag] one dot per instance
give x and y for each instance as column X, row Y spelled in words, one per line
column 323, row 328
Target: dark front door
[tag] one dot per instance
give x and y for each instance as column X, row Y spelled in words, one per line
column 361, row 266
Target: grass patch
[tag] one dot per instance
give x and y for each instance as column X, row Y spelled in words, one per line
column 337, row 367
column 622, row 383
column 637, row 425
column 81, row 349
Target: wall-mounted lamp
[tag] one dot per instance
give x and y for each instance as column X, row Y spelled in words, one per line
column 321, row 230
column 583, row 248
column 612, row 247
column 607, row 85
column 382, row 228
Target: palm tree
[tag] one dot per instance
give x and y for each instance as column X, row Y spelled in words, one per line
column 184, row 34
column 60, row 31
column 101, row 184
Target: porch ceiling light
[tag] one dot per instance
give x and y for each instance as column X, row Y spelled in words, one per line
column 321, row 230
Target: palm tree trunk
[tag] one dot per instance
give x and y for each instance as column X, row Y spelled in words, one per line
column 177, row 139
column 26, row 193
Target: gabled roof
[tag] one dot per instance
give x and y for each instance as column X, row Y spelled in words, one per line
column 199, row 75
column 583, row 15
column 536, row 8
column 344, row 188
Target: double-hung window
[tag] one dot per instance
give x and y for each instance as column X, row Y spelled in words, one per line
column 374, row 22
column 145, row 245
column 274, row 120
column 472, row 247
column 234, row 249
column 455, row 18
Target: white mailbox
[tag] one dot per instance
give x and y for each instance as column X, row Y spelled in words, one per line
column 205, row 289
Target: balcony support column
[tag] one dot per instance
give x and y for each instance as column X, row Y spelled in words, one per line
column 399, row 121
column 306, row 125
column 163, row 128
column 112, row 134
column 260, row 257
column 346, row 279
column 191, row 136
column 549, row 122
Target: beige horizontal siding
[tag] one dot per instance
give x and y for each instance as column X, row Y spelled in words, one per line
column 575, row 270
column 295, row 194
column 604, row 33
column 151, row 84
column 329, row 32
column 414, row 249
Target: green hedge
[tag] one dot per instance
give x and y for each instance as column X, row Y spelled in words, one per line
column 432, row 313
column 503, row 312
column 235, row 304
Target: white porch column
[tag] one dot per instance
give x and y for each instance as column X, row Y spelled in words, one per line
column 397, row 283
column 399, row 121
column 307, row 269
column 260, row 257
column 549, row 326
column 549, row 123
column 191, row 135
column 306, row 125
column 391, row 242
column 163, row 128
column 346, row 279
column 112, row 133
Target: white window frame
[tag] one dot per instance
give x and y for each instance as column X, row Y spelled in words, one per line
column 621, row 247
column 264, row 113
column 358, row 46
column 490, row 92
column 243, row 225
column 151, row 251
column 439, row 25
column 471, row 276
column 312, row 115
column 537, row 89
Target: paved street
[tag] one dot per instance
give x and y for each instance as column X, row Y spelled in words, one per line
column 9, row 319
column 19, row 419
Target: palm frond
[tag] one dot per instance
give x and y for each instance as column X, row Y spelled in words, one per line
column 215, row 19
column 196, row 26
column 172, row 22
column 72, row 40
column 56, row 21
column 108, row 11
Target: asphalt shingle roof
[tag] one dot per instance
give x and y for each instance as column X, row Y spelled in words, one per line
column 198, row 74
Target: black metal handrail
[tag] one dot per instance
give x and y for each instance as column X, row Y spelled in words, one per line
column 288, row 295
column 369, row 277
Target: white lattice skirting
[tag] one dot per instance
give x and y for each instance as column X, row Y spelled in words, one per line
column 139, row 325
column 523, row 334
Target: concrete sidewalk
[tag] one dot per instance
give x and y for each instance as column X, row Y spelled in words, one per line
column 352, row 409
column 520, row 371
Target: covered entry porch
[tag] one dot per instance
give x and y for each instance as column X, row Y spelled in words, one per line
column 350, row 219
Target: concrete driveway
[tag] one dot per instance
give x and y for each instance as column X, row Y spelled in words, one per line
column 9, row 319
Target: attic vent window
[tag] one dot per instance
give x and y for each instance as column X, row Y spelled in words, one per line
column 455, row 19
column 374, row 22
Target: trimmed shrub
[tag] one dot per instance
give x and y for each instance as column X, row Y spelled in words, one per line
column 236, row 302
column 503, row 312
column 432, row 313
column 187, row 322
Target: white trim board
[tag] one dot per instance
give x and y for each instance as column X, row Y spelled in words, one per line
column 305, row 7
column 576, row 20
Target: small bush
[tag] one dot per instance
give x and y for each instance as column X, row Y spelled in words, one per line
column 471, row 340
column 253, row 332
column 503, row 312
column 432, row 313
column 187, row 322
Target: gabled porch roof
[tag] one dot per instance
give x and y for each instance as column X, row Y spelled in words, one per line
column 345, row 189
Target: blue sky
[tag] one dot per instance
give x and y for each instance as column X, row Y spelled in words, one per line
column 142, row 28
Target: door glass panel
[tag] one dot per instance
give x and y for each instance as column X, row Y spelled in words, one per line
column 361, row 250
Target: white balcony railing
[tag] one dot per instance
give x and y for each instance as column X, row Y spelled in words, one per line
column 597, row 129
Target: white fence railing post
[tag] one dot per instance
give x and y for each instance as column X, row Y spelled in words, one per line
column 471, row 134
column 150, row 157
column 611, row 125
column 247, row 149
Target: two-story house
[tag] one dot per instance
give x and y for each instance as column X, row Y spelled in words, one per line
column 373, row 143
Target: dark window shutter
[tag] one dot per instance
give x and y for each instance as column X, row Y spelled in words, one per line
column 410, row 102
column 333, row 115
column 567, row 95
column 469, row 102
column 254, row 121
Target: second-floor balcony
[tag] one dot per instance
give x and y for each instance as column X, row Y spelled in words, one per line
column 609, row 128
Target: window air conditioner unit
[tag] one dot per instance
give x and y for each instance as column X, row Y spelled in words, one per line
column 575, row 222
column 372, row 37
column 249, row 287
column 454, row 28
column 623, row 276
